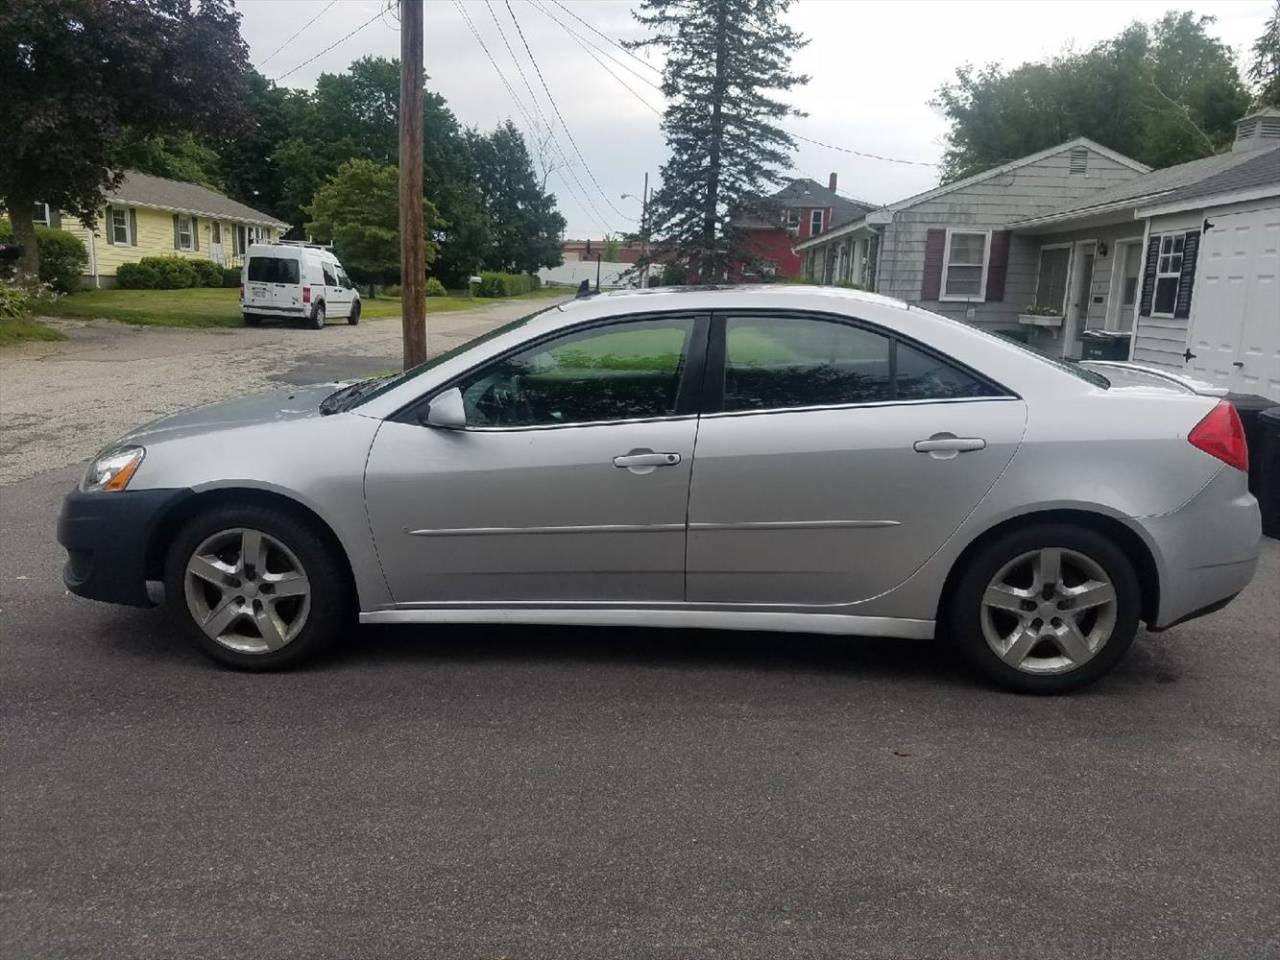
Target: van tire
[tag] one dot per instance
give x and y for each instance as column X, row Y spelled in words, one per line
column 252, row 319
column 354, row 317
column 317, row 316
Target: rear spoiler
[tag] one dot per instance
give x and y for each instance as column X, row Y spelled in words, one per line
column 1191, row 384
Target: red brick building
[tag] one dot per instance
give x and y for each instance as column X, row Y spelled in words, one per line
column 575, row 250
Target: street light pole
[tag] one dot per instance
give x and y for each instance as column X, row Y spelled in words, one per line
column 644, row 228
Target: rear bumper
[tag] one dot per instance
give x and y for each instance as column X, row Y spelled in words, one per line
column 106, row 537
column 273, row 311
column 1208, row 550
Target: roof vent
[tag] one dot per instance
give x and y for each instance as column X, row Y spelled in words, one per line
column 1260, row 129
column 1079, row 160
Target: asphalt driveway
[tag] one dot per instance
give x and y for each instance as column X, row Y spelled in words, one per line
column 608, row 793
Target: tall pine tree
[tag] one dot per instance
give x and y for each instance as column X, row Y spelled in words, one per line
column 726, row 62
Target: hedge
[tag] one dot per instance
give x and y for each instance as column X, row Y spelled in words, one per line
column 231, row 277
column 63, row 258
column 506, row 284
column 435, row 288
column 173, row 273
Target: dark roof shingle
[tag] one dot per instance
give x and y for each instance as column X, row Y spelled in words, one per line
column 146, row 190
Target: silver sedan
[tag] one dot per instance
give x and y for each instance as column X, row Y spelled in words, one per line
column 771, row 458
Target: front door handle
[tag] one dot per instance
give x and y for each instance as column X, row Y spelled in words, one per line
column 646, row 458
column 944, row 446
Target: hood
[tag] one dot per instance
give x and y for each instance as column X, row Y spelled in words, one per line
column 274, row 406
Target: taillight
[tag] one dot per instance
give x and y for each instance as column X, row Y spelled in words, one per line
column 306, row 294
column 1221, row 434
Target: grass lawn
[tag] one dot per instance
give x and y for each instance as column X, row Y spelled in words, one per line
column 220, row 308
column 21, row 330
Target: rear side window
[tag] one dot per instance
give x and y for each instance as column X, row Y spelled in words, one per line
column 774, row 363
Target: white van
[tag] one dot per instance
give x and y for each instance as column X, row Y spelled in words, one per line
column 296, row 281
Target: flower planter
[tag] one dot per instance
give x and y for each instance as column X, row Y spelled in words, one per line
column 1036, row 320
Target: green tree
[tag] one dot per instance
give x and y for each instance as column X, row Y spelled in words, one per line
column 177, row 156
column 523, row 225
column 611, row 248
column 75, row 73
column 1264, row 70
column 358, row 209
column 726, row 61
column 1162, row 94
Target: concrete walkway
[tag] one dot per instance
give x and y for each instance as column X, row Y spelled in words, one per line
column 61, row 402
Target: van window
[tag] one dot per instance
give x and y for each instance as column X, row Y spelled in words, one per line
column 329, row 279
column 273, row 270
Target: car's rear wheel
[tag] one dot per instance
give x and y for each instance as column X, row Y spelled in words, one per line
column 252, row 319
column 255, row 588
column 318, row 316
column 1046, row 609
column 354, row 317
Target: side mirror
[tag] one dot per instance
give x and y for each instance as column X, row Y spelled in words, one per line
column 446, row 411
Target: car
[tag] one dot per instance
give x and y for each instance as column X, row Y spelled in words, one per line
column 752, row 458
column 291, row 280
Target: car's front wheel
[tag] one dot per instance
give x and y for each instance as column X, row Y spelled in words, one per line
column 354, row 317
column 1046, row 609
column 255, row 588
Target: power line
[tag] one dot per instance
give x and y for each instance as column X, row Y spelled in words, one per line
column 603, row 36
column 603, row 65
column 584, row 43
column 582, row 199
column 859, row 153
column 296, row 35
column 376, row 16
column 554, row 106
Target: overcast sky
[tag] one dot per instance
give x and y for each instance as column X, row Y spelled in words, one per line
column 874, row 67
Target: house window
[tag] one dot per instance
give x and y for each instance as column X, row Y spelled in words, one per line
column 1168, row 272
column 791, row 219
column 40, row 215
column 815, row 223
column 1051, row 283
column 184, row 232
column 120, row 226
column 964, row 270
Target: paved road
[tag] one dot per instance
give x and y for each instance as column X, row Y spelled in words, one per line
column 591, row 793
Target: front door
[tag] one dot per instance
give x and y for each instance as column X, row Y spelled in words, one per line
column 216, row 253
column 337, row 298
column 840, row 462
column 1235, row 331
column 1079, row 295
column 569, row 485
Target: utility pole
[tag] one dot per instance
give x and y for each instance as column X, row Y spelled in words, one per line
column 644, row 232
column 413, row 266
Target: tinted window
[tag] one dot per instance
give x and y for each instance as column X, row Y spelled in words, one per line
column 773, row 362
column 779, row 362
column 329, row 279
column 273, row 270
column 622, row 371
column 286, row 271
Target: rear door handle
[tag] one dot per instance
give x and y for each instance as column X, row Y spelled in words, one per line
column 945, row 444
column 646, row 459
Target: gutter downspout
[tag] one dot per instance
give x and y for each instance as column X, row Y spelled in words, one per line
column 93, row 256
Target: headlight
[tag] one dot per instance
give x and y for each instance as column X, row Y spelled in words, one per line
column 113, row 470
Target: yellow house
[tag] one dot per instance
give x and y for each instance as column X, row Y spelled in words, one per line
column 152, row 217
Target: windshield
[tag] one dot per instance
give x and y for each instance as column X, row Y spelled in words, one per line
column 382, row 385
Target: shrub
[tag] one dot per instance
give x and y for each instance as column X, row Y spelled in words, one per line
column 231, row 277
column 173, row 273
column 504, row 284
column 674, row 275
column 391, row 290
column 435, row 288
column 137, row 276
column 19, row 300
column 63, row 258
column 208, row 273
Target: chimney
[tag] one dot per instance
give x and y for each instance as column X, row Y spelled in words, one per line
column 831, row 185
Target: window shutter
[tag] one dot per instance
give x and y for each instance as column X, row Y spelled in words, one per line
column 111, row 230
column 998, row 265
column 195, row 234
column 1187, row 278
column 133, row 227
column 55, row 219
column 935, row 249
column 1149, row 277
column 176, row 245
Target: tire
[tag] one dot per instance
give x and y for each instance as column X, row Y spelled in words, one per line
column 266, row 618
column 318, row 316
column 354, row 316
column 252, row 319
column 1037, row 650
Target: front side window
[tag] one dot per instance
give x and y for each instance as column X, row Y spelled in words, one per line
column 1051, row 281
column 330, row 279
column 120, row 226
column 965, row 266
column 1168, row 273
column 623, row 371
column 184, row 232
column 774, row 363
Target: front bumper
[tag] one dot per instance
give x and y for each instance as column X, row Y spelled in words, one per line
column 106, row 536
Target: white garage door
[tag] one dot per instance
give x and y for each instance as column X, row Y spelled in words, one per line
column 1235, row 307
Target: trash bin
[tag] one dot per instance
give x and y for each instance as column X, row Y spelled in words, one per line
column 1104, row 345
column 1249, row 405
column 1267, row 460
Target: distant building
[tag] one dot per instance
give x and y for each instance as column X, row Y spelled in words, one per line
column 576, row 250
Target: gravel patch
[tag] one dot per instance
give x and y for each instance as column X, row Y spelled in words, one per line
column 61, row 402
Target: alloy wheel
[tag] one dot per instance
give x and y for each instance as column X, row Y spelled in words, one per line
column 247, row 591
column 1049, row 611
